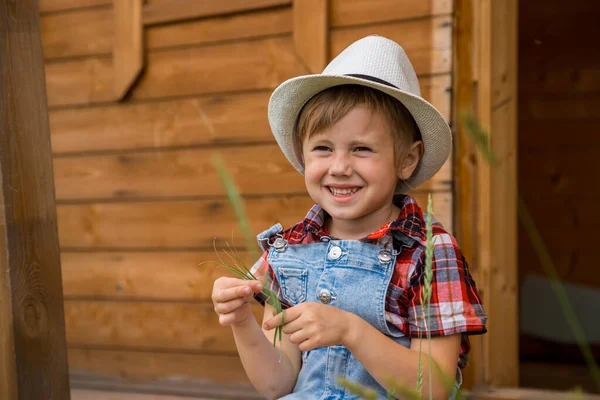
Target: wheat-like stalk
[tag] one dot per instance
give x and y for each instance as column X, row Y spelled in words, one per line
column 236, row 265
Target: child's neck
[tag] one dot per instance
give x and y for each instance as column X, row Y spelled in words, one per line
column 355, row 229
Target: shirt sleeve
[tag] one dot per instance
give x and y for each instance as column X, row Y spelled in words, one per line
column 263, row 271
column 455, row 305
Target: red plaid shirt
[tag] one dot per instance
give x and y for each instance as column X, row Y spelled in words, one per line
column 455, row 305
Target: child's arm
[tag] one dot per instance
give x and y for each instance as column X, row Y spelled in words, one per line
column 385, row 359
column 314, row 325
column 272, row 374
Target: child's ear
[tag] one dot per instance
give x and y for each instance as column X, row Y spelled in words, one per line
column 411, row 160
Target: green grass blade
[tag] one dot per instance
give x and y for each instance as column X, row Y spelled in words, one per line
column 238, row 205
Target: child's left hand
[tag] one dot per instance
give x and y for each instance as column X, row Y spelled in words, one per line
column 313, row 325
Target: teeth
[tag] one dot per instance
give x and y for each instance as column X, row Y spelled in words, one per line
column 343, row 192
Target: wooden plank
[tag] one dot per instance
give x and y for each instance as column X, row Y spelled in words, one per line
column 311, row 33
column 581, row 134
column 47, row 6
column 142, row 366
column 360, row 12
column 251, row 65
column 208, row 120
column 140, row 325
column 128, row 48
column 187, row 223
column 551, row 107
column 165, row 174
column 465, row 154
column 214, row 119
column 90, row 32
column 513, row 393
column 267, row 22
column 175, row 173
column 79, row 81
column 549, row 172
column 428, row 41
column 497, row 215
column 83, row 394
column 158, row 12
column 79, row 33
column 33, row 358
column 165, row 276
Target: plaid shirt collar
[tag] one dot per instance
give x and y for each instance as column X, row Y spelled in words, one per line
column 410, row 221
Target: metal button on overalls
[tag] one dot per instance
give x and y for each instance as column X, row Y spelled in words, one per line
column 280, row 244
column 334, row 253
column 384, row 257
column 325, row 295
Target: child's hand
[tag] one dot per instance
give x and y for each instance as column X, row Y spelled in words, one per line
column 313, row 325
column 231, row 298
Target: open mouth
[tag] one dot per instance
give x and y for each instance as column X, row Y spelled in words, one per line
column 345, row 192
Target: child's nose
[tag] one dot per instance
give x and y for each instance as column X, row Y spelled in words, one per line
column 340, row 165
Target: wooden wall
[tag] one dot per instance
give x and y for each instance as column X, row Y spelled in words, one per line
column 138, row 201
column 559, row 147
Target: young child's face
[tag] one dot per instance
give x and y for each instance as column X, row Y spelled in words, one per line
column 349, row 167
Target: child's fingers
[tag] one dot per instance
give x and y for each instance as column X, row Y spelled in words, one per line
column 283, row 318
column 224, row 295
column 225, row 308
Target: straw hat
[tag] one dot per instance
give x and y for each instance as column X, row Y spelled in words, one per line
column 378, row 63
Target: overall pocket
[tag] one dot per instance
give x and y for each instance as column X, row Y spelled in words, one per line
column 293, row 282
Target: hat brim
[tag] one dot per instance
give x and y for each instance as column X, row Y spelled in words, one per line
column 289, row 98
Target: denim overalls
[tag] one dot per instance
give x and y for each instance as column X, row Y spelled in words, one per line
column 347, row 274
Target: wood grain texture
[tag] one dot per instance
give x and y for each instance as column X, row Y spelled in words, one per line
column 184, row 173
column 33, row 358
column 157, row 12
column 78, row 33
column 311, row 33
column 208, row 120
column 276, row 21
column 427, row 41
column 153, row 366
column 164, row 276
column 251, row 65
column 187, row 223
column 90, row 32
column 47, row 6
column 141, row 325
column 497, row 215
column 128, row 46
column 362, row 12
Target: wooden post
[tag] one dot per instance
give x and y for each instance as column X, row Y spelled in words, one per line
column 497, row 189
column 311, row 33
column 33, row 357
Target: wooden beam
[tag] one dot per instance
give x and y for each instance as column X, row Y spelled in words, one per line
column 465, row 168
column 128, row 49
column 311, row 33
column 33, row 356
column 181, row 10
column 497, row 189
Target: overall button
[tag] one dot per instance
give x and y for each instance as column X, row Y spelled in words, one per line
column 325, row 296
column 334, row 253
column 280, row 244
column 384, row 257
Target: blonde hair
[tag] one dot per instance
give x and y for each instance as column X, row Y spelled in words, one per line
column 329, row 106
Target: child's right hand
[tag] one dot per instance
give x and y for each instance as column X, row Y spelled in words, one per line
column 231, row 298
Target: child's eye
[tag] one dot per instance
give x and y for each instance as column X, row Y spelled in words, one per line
column 321, row 148
column 362, row 148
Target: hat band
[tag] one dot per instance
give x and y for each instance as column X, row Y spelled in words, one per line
column 372, row 79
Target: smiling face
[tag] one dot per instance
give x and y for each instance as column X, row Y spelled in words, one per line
column 351, row 172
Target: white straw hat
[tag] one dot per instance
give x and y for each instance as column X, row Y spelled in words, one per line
column 378, row 63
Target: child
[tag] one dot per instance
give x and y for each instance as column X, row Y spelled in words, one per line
column 351, row 274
